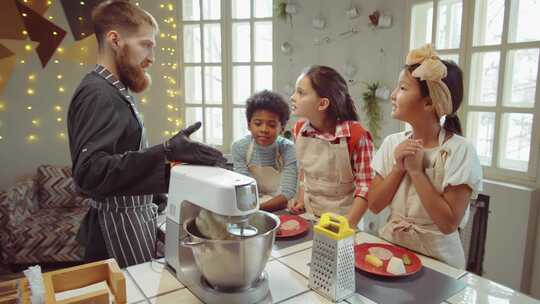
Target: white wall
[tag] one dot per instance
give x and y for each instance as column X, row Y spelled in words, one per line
column 377, row 53
column 535, row 280
column 511, row 234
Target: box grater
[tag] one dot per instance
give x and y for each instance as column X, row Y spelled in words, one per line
column 331, row 271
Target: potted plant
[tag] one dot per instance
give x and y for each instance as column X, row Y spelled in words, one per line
column 373, row 110
column 280, row 10
column 284, row 9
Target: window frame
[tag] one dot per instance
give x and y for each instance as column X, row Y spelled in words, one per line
column 227, row 65
column 465, row 51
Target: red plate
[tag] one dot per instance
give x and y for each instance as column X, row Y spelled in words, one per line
column 303, row 226
column 361, row 250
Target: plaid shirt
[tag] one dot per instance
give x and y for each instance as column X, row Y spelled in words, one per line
column 361, row 153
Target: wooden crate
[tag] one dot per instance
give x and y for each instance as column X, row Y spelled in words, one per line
column 72, row 278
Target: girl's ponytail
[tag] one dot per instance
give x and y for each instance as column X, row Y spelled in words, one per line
column 452, row 124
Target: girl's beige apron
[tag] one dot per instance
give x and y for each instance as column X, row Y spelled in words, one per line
column 328, row 177
column 411, row 226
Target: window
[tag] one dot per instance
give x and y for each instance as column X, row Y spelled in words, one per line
column 227, row 56
column 498, row 48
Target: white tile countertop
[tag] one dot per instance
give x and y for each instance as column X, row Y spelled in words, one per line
column 288, row 274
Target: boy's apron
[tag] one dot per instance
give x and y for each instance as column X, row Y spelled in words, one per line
column 268, row 178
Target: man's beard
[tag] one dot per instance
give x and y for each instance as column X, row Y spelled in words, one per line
column 131, row 75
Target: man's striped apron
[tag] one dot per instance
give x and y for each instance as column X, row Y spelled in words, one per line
column 128, row 223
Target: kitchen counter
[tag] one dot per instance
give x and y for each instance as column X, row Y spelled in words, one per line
column 288, row 275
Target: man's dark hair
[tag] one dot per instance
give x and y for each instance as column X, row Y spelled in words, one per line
column 271, row 102
column 119, row 15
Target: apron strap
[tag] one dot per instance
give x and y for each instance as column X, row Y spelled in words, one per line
column 143, row 143
column 249, row 152
column 402, row 222
column 279, row 159
column 440, row 162
column 442, row 136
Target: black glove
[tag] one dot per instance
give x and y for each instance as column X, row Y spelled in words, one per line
column 160, row 199
column 181, row 148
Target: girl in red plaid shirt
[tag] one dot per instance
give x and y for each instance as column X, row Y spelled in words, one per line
column 333, row 150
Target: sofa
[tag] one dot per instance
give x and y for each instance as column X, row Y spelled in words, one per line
column 40, row 217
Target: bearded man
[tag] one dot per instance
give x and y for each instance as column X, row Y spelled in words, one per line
column 111, row 160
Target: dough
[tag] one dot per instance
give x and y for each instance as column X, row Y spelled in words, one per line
column 290, row 225
column 382, row 253
column 213, row 226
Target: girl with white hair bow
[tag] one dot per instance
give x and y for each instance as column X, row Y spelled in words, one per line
column 428, row 175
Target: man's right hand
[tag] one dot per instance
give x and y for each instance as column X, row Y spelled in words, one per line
column 181, row 148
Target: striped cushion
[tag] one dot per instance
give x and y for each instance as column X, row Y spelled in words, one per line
column 56, row 188
column 45, row 237
column 18, row 203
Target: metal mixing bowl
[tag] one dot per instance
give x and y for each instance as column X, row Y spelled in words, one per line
column 233, row 264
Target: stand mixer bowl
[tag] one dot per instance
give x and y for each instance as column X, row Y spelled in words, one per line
column 232, row 265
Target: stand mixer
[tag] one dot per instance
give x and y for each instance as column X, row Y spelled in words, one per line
column 218, row 271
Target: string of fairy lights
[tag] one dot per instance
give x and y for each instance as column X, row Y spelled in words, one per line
column 169, row 42
column 167, row 45
column 61, row 89
column 31, row 91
